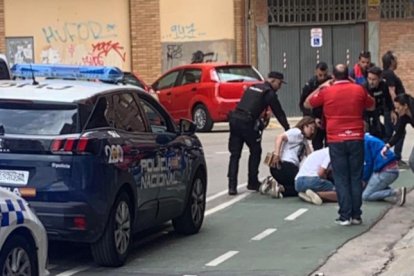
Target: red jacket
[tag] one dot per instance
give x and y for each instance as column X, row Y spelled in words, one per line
column 343, row 105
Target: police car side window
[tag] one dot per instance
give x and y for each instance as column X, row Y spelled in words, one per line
column 127, row 114
column 157, row 122
column 168, row 81
column 101, row 116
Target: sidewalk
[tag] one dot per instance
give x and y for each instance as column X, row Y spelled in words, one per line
column 386, row 250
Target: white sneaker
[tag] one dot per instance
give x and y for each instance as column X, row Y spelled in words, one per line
column 304, row 197
column 402, row 192
column 266, row 185
column 315, row 199
column 276, row 190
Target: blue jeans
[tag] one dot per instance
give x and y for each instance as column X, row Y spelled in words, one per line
column 378, row 185
column 315, row 183
column 347, row 165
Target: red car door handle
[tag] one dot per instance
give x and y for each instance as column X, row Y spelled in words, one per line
column 168, row 93
column 194, row 89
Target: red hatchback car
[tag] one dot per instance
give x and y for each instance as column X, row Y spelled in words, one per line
column 204, row 92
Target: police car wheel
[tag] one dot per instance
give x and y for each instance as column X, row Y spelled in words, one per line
column 113, row 247
column 202, row 118
column 192, row 218
column 18, row 257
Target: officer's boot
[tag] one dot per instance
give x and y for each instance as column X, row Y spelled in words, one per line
column 232, row 186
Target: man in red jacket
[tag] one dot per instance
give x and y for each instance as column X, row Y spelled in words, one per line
column 343, row 104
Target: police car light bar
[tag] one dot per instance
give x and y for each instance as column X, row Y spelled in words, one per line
column 60, row 71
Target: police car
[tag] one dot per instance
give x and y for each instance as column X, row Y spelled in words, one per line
column 23, row 240
column 98, row 161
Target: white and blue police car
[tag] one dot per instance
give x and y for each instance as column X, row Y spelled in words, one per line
column 100, row 161
column 23, row 240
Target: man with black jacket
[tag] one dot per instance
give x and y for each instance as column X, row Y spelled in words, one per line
column 321, row 75
column 378, row 89
column 246, row 126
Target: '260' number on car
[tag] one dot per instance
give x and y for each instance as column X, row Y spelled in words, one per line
column 114, row 153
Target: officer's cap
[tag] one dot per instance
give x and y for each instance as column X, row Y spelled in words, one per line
column 276, row 75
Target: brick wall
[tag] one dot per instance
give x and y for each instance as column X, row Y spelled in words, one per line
column 259, row 15
column 2, row 29
column 239, row 30
column 398, row 36
column 145, row 38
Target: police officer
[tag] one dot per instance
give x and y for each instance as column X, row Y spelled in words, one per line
column 246, row 126
column 321, row 75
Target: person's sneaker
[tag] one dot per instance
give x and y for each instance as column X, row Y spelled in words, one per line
column 314, row 197
column 403, row 165
column 402, row 193
column 266, row 185
column 304, row 197
column 343, row 222
column 277, row 190
column 356, row 221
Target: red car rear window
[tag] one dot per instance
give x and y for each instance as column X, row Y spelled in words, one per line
column 238, row 74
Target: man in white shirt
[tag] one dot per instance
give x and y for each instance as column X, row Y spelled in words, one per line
column 311, row 181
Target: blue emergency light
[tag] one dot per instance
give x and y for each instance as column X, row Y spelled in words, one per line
column 60, row 71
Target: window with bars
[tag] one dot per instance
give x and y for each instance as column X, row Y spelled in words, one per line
column 290, row 12
column 397, row 9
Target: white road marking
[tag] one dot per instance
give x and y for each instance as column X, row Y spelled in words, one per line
column 227, row 152
column 296, row 214
column 73, row 271
column 226, row 204
column 222, row 193
column 222, row 258
column 264, row 234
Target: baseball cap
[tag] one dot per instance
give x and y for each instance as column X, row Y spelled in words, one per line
column 276, row 75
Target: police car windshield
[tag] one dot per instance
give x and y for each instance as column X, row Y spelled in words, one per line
column 38, row 119
column 237, row 74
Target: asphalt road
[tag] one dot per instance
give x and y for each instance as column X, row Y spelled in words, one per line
column 249, row 234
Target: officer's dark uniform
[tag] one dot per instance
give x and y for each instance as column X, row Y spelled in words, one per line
column 383, row 104
column 310, row 86
column 246, row 127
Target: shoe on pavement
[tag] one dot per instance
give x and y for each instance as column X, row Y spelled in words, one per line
column 266, row 185
column 276, row 190
column 403, row 165
column 402, row 193
column 232, row 191
column 356, row 221
column 343, row 222
column 314, row 197
column 304, row 197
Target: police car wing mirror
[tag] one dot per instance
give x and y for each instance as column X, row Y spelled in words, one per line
column 187, row 126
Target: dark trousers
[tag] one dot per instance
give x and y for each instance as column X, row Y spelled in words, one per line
column 318, row 140
column 285, row 175
column 389, row 130
column 347, row 160
column 244, row 131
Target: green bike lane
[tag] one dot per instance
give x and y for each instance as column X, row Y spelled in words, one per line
column 225, row 245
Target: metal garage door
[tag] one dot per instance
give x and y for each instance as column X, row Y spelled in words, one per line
column 291, row 53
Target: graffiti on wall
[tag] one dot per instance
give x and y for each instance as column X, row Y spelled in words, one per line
column 184, row 32
column 79, row 31
column 175, row 54
column 83, row 43
column 19, row 50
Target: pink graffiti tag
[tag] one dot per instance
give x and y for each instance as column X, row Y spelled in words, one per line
column 92, row 60
column 104, row 48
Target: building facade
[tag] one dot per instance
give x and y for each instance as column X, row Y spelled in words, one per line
column 152, row 36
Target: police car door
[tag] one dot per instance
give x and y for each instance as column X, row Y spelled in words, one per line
column 170, row 164
column 139, row 156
